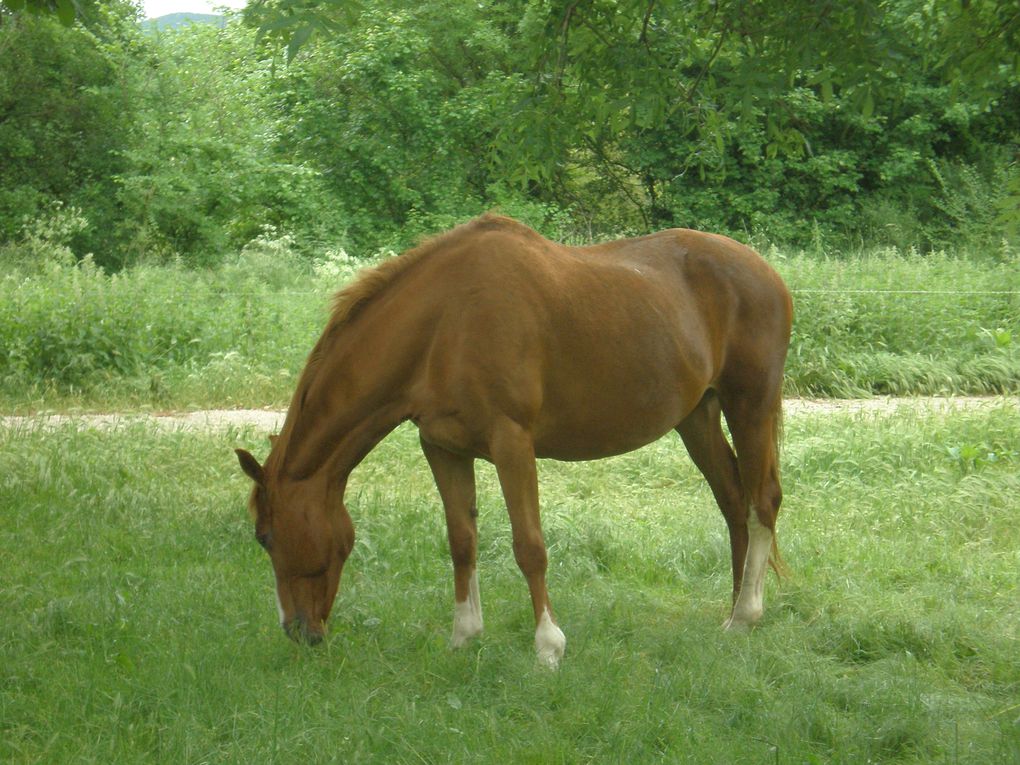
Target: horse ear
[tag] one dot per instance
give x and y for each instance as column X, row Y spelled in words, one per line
column 250, row 466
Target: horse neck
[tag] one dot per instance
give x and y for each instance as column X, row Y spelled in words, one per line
column 350, row 396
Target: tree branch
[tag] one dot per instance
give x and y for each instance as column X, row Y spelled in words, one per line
column 617, row 181
column 561, row 62
column 723, row 33
column 643, row 37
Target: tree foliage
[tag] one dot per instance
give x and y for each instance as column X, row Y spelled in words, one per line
column 67, row 100
column 737, row 115
column 165, row 143
column 367, row 122
column 205, row 173
column 65, row 10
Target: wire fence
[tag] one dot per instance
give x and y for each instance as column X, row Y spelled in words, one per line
column 835, row 291
column 796, row 290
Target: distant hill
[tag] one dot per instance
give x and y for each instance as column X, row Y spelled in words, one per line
column 178, row 20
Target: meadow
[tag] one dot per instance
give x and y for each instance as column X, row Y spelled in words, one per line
column 163, row 336
column 214, row 189
column 139, row 623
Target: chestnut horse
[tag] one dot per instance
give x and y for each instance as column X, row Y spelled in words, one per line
column 501, row 345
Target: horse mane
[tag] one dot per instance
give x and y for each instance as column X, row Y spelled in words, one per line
column 370, row 282
column 367, row 285
column 349, row 301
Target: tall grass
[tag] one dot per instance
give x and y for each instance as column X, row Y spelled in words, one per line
column 139, row 623
column 166, row 336
column 899, row 324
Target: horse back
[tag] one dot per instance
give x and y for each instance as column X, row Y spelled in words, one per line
column 597, row 349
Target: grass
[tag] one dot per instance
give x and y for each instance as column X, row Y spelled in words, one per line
column 896, row 324
column 139, row 623
column 161, row 337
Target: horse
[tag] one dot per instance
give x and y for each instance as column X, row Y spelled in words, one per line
column 501, row 345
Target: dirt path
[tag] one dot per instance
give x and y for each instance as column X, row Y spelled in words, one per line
column 271, row 420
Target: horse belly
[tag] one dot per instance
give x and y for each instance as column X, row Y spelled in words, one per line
column 588, row 441
column 604, row 415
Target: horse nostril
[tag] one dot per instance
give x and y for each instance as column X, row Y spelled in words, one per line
column 294, row 628
column 297, row 630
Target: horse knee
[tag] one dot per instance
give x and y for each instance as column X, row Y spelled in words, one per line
column 531, row 554
column 463, row 546
column 767, row 505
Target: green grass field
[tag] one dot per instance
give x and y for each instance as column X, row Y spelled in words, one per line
column 139, row 623
column 162, row 336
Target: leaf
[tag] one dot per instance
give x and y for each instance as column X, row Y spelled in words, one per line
column 299, row 38
column 272, row 24
column 66, row 12
column 868, row 106
column 348, row 9
column 826, row 90
column 747, row 104
column 280, row 21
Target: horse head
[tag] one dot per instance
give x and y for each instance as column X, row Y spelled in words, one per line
column 308, row 534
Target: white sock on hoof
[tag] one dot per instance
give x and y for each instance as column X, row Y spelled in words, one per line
column 750, row 605
column 550, row 642
column 467, row 615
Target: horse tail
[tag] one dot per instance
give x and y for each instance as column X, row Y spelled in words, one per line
column 776, row 561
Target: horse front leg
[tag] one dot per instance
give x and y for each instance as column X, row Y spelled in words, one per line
column 513, row 454
column 455, row 479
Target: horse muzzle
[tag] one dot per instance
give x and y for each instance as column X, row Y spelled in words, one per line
column 299, row 630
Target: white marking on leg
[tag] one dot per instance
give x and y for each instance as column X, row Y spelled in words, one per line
column 467, row 615
column 750, row 602
column 279, row 608
column 550, row 641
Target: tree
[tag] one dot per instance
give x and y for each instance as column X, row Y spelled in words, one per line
column 204, row 171
column 67, row 104
column 66, row 11
column 610, row 106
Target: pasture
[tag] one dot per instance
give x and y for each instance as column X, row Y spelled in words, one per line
column 139, row 621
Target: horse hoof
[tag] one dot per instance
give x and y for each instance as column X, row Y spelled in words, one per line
column 742, row 622
column 465, row 628
column 550, row 642
column 549, row 658
column 737, row 627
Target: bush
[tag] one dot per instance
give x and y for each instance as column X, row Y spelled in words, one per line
column 43, row 243
column 75, row 329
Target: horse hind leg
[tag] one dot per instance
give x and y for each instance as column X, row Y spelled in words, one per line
column 703, row 436
column 455, row 479
column 755, row 431
column 750, row 602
